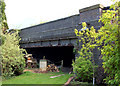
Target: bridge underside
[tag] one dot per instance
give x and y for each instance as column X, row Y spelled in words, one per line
column 54, row 54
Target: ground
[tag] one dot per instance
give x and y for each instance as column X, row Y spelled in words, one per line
column 38, row 78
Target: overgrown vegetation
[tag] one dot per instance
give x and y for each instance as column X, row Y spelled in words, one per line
column 84, row 66
column 12, row 59
column 83, row 69
column 108, row 41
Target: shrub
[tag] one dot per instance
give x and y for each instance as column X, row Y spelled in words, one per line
column 13, row 61
column 110, row 41
column 83, row 69
column 84, row 65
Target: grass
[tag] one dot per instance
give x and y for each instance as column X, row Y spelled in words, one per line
column 37, row 78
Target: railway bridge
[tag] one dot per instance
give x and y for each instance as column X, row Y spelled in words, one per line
column 56, row 39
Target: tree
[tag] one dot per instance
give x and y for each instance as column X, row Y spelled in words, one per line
column 84, row 65
column 13, row 61
column 110, row 41
column 12, row 57
column 3, row 20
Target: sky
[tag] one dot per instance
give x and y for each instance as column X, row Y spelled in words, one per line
column 25, row 13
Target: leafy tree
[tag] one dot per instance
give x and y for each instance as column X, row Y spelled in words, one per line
column 11, row 54
column 3, row 20
column 84, row 65
column 110, row 41
column 13, row 61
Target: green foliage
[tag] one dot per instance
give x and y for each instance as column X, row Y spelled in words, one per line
column 84, row 65
column 110, row 41
column 83, row 69
column 2, row 40
column 3, row 20
column 13, row 61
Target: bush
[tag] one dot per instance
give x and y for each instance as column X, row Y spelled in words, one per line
column 13, row 62
column 83, row 68
column 84, row 65
column 109, row 36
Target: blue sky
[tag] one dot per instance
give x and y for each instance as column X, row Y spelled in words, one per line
column 25, row 13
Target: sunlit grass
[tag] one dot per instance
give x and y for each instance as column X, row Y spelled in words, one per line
column 38, row 78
